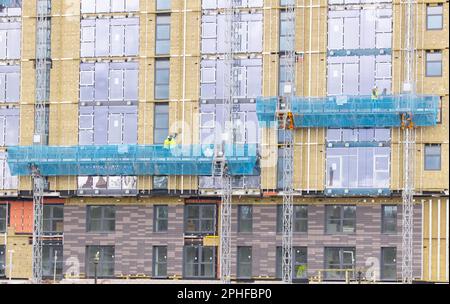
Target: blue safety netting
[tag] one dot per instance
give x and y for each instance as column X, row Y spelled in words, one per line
column 133, row 160
column 353, row 111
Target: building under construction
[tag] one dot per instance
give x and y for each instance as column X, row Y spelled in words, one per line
column 224, row 139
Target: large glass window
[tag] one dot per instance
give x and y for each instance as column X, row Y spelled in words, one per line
column 340, row 219
column 103, row 125
column 339, row 259
column 109, row 6
column 9, row 83
column 200, row 219
column 245, row 218
column 9, row 126
column 358, row 167
column 249, row 30
column 3, row 218
column 199, row 262
column 434, row 17
column 433, row 157
column 161, row 125
column 53, row 219
column 433, row 64
column 285, row 27
column 106, row 260
column 299, row 262
column 161, row 218
column 162, row 78
column 244, row 262
column 52, row 260
column 162, row 34
column 10, row 40
column 114, row 83
column 389, row 219
column 109, row 37
column 160, row 261
column 212, row 80
column 300, row 218
column 389, row 263
column 101, row 218
column 7, row 181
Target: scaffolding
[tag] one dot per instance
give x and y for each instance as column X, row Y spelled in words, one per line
column 285, row 116
column 42, row 66
column 409, row 147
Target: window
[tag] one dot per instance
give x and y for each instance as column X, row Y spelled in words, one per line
column 300, row 218
column 389, row 219
column 433, row 64
column 52, row 259
column 109, row 6
column 53, row 219
column 358, row 167
column 199, row 262
column 200, row 219
column 162, row 34
column 340, row 219
column 162, row 78
column 101, row 218
column 2, row 261
column 339, row 258
column 245, row 218
column 160, row 183
column 102, row 185
column 9, row 127
column 244, row 262
column 109, row 37
column 248, row 87
column 299, row 264
column 163, row 5
column 7, row 181
column 161, row 218
column 9, row 83
column 389, row 263
column 10, row 40
column 114, row 83
column 433, row 157
column 161, row 125
column 105, row 266
column 3, row 218
column 160, row 261
column 103, row 125
column 434, row 17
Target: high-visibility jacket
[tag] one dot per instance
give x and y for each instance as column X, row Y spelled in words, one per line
column 374, row 94
column 167, row 143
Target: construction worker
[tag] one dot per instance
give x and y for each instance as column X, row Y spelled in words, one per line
column 375, row 93
column 170, row 142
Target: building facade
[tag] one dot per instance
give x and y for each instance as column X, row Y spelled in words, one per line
column 132, row 72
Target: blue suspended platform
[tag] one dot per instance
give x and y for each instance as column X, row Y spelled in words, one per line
column 353, row 111
column 132, row 160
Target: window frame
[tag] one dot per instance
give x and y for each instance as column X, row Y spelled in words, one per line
column 161, row 111
column 101, row 265
column 384, row 229
column 427, row 155
column 4, row 220
column 103, row 220
column 157, row 219
column 51, row 261
column 339, row 275
column 162, row 22
column 246, row 221
column 199, row 256
column 158, row 83
column 53, row 220
column 341, row 219
column 279, row 220
column 200, row 219
column 427, row 15
column 427, row 61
